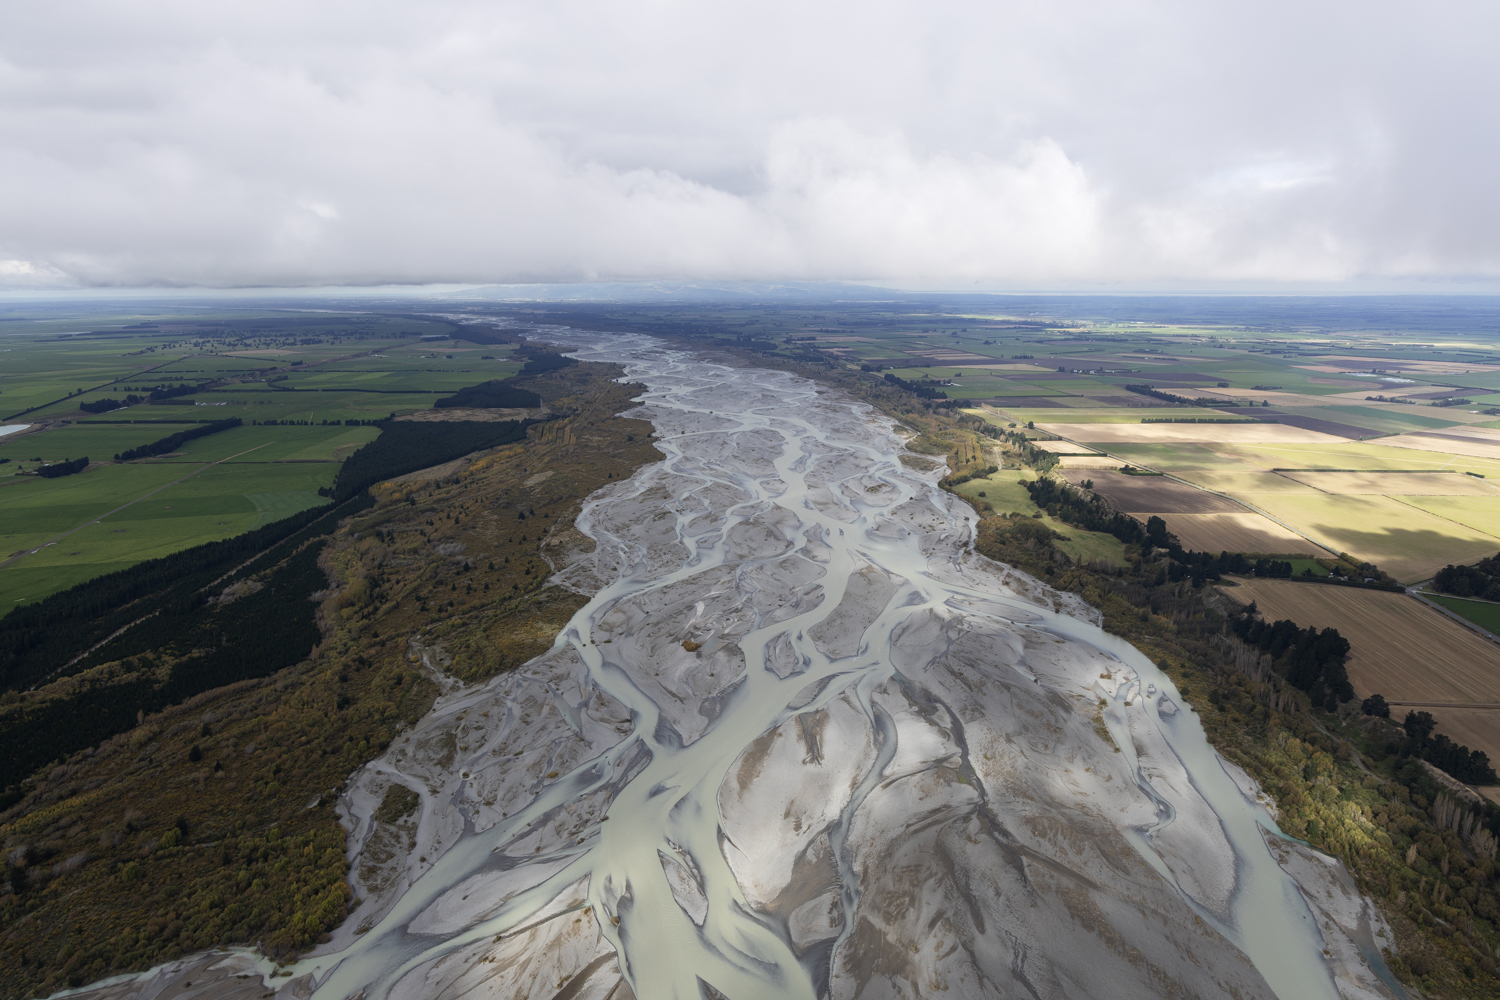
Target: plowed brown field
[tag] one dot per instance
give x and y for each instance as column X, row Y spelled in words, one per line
column 1154, row 494
column 1246, row 532
column 1403, row 649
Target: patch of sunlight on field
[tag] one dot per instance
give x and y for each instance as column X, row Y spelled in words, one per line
column 1420, row 483
column 1480, row 513
column 1189, row 460
column 1366, row 457
column 1246, row 484
column 1002, row 491
column 1408, row 543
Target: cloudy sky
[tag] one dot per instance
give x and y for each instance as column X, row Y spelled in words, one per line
column 1130, row 144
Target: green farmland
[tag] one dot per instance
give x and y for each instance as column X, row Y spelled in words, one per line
column 304, row 387
column 1482, row 613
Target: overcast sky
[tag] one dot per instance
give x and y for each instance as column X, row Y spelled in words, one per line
column 1057, row 144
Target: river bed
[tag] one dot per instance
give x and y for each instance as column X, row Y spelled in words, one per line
column 803, row 742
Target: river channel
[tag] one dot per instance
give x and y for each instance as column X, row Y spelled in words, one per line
column 802, row 741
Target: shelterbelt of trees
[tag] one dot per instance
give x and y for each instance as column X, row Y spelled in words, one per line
column 254, row 675
column 1480, row 580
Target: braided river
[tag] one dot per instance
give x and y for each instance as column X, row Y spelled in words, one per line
column 801, row 742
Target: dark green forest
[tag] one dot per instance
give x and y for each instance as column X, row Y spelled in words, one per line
column 1480, row 580
column 406, row 446
column 494, row 394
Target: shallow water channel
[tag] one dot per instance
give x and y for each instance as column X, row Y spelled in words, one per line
column 803, row 742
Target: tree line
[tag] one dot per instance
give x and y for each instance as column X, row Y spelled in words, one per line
column 38, row 640
column 172, row 442
column 1311, row 661
column 920, row 391
column 1479, row 580
column 106, row 405
column 407, row 446
column 1093, row 512
column 156, row 396
column 63, row 468
column 1179, row 400
column 210, row 645
column 1472, row 767
column 539, row 360
column 494, row 394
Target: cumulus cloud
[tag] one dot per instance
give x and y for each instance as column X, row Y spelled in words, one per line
column 1075, row 144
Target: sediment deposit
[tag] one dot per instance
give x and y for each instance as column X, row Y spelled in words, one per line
column 803, row 742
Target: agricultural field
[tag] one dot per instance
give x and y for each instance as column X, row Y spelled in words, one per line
column 1479, row 513
column 1485, row 614
column 1423, row 483
column 1309, row 436
column 1408, row 509
column 1407, row 542
column 1291, row 430
column 1147, row 495
column 305, row 388
column 1065, row 448
column 73, row 535
column 1412, row 654
column 1236, row 532
column 1212, row 434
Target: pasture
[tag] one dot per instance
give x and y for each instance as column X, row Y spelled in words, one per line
column 1003, row 492
column 316, row 370
column 1482, row 613
column 200, row 503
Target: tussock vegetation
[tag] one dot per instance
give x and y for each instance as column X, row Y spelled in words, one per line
column 211, row 822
